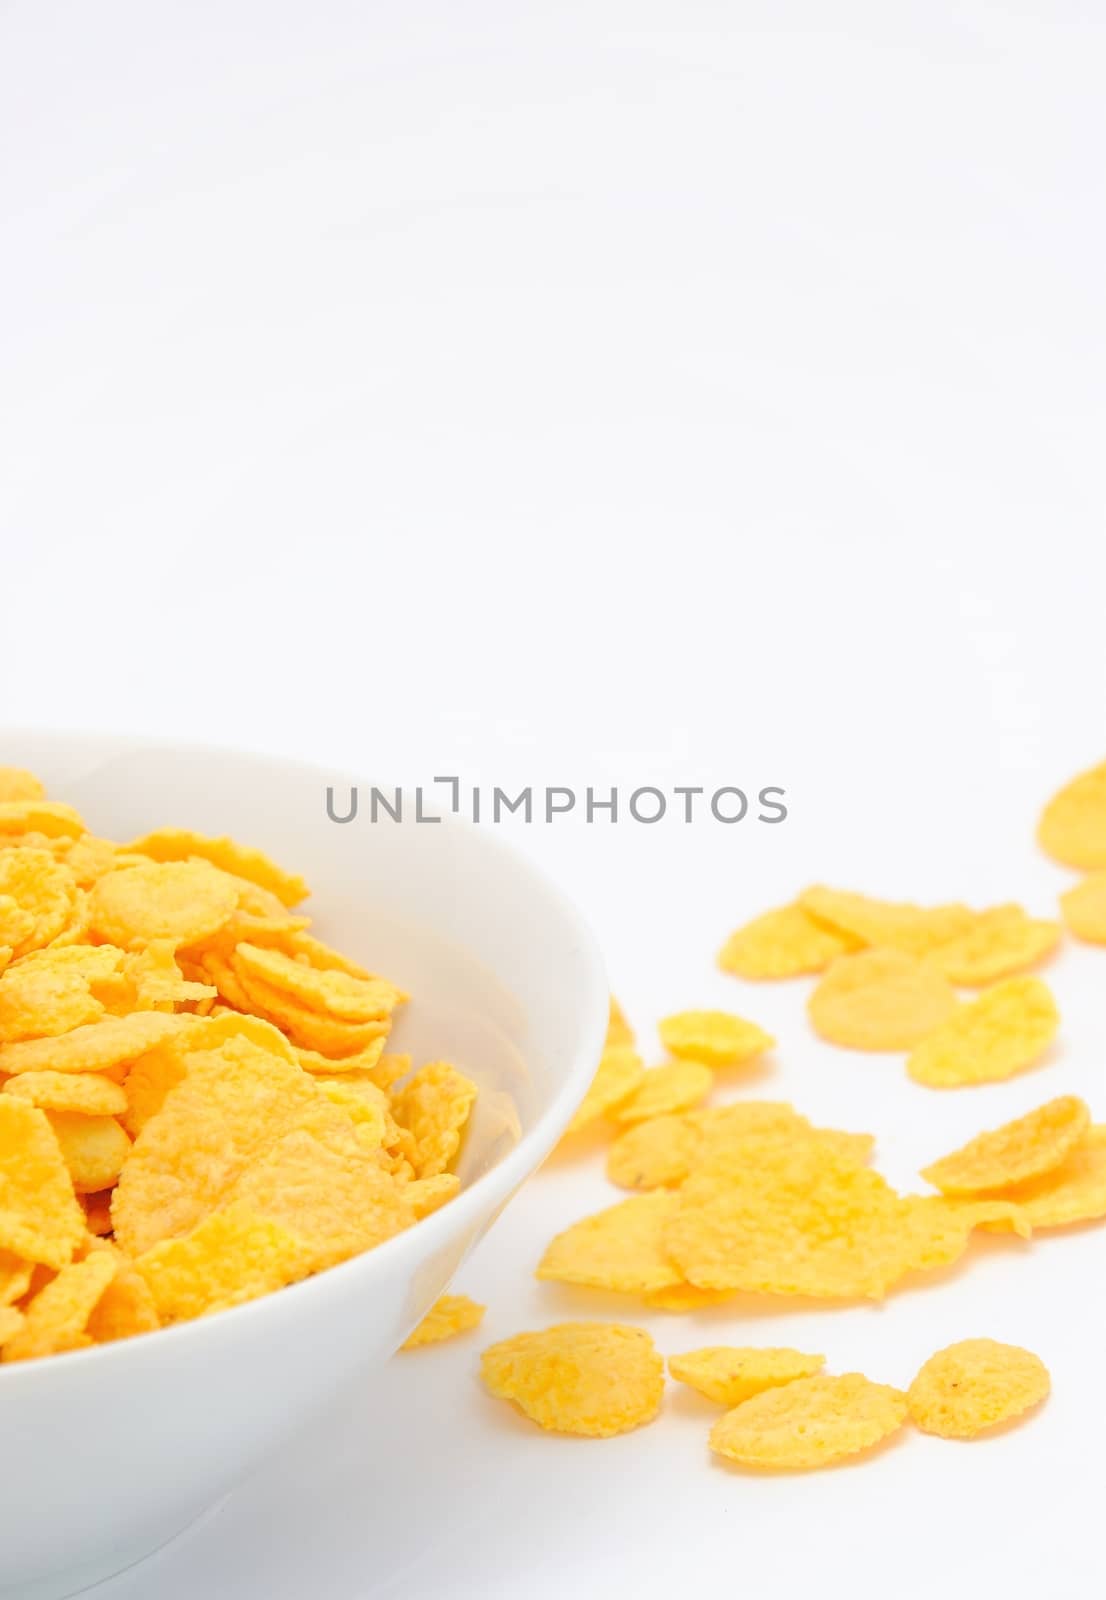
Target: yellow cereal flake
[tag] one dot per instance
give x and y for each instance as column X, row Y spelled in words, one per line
column 182, row 901
column 241, row 861
column 975, row 1385
column 886, row 924
column 621, row 1248
column 126, row 1306
column 40, row 1219
column 156, row 980
column 95, row 1047
column 336, row 993
column 732, row 1374
column 684, row 1297
column 660, row 1151
column 11, row 1321
column 785, row 943
column 810, row 1423
column 1075, row 1191
column 44, row 892
column 16, row 784
column 619, row 1074
column 50, row 818
column 879, row 1000
column 449, row 1316
column 93, row 1148
column 57, row 1318
column 87, row 1092
column 1084, row 909
column 716, row 1038
column 998, row 942
column 619, row 1031
column 426, row 1195
column 228, row 1258
column 1003, row 1032
column 1025, row 1148
column 15, row 1277
column 41, row 1001
column 305, row 1027
column 1072, row 828
column 590, row 1378
column 676, row 1086
column 434, row 1106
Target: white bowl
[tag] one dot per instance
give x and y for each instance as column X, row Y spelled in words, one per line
column 109, row 1452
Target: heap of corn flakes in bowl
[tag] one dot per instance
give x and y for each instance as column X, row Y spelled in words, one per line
column 197, row 1102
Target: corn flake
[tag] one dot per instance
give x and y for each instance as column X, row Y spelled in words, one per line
column 810, row 1423
column 93, row 1148
column 879, row 1000
column 449, row 1316
column 1025, row 1148
column 1072, row 828
column 733, row 1374
column 87, row 1092
column 674, row 1087
column 45, row 893
column 590, row 1378
column 716, row 1038
column 999, row 941
column 336, row 993
column 1084, row 909
column 1003, row 1032
column 434, row 1106
column 229, row 1258
column 40, row 1219
column 57, row 1318
column 785, row 943
column 241, row 861
column 182, row 901
column 619, row 1074
column 1075, row 1191
column 621, row 1248
column 95, row 1047
column 17, row 784
column 887, row 924
column 975, row 1385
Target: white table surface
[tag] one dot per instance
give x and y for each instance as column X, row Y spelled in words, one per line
column 609, row 393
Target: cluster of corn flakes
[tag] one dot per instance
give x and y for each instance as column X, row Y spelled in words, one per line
column 782, row 1412
column 196, row 1106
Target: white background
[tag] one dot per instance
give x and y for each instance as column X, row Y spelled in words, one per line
column 609, row 393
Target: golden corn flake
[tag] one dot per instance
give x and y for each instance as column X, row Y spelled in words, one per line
column 619, row 1074
column 57, row 1318
column 999, row 941
column 306, row 1027
column 650, row 1154
column 229, row 1258
column 44, row 892
column 11, row 1321
column 716, row 1038
column 16, row 785
column 449, row 1316
column 126, row 1306
column 183, row 901
column 619, row 1031
column 1075, row 1191
column 889, row 924
column 621, row 1248
column 1084, row 909
column 426, row 1195
column 975, row 1385
column 93, row 1148
column 1072, row 828
column 685, row 1297
column 732, row 1374
column 880, row 1000
column 180, row 844
column 15, row 1277
column 590, row 1378
column 674, row 1087
column 155, row 979
column 40, row 1219
column 810, row 1423
column 95, row 1047
column 1006, row 1030
column 49, row 817
column 434, row 1106
column 785, row 943
column 40, row 1001
column 350, row 999
column 1019, row 1150
column 86, row 1092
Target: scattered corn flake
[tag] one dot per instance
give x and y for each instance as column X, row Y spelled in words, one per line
column 336, row 993
column 810, row 1423
column 228, row 1258
column 93, row 1148
column 241, row 861
column 732, row 1374
column 785, row 943
column 887, row 924
column 1024, row 1148
column 94, row 1047
column 183, row 901
column 619, row 1074
column 1075, row 1191
column 879, row 1000
column 999, row 941
column 449, row 1316
column 974, row 1385
column 40, row 1218
column 1084, row 909
column 57, row 1318
column 86, row 1092
column 1003, row 1032
column 677, row 1086
column 620, row 1248
column 16, row 784
column 590, row 1378
column 619, row 1031
column 434, row 1106
column 716, row 1038
column 660, row 1151
column 1072, row 828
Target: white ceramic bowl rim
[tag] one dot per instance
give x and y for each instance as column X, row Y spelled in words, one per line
column 504, row 1177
